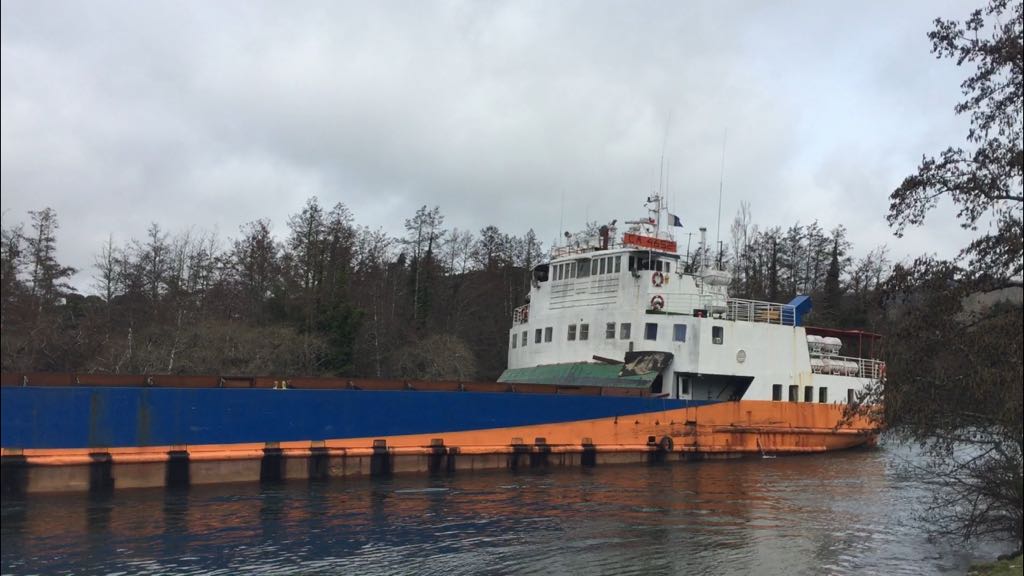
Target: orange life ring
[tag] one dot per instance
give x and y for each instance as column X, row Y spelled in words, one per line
column 657, row 279
column 657, row 302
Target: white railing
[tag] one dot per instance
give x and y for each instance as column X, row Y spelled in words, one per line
column 848, row 366
column 757, row 311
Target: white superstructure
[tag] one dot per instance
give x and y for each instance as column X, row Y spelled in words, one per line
column 599, row 299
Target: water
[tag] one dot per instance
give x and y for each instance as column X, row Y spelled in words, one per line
column 843, row 513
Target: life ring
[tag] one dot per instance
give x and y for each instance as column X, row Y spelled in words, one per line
column 657, row 302
column 657, row 279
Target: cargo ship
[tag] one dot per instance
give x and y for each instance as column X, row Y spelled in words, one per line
column 626, row 351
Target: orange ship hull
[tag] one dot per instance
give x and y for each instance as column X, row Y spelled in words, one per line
column 719, row 430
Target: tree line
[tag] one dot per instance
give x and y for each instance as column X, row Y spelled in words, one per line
column 329, row 297
column 775, row 264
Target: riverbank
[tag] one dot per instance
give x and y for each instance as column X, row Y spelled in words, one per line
column 1012, row 567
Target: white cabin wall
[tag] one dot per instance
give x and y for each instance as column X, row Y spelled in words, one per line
column 774, row 354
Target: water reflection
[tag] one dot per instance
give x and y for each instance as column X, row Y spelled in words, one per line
column 847, row 513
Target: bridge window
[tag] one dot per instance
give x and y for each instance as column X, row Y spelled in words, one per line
column 717, row 335
column 823, row 395
column 548, row 332
column 668, row 267
column 679, row 332
column 515, row 338
column 572, row 332
column 609, row 331
column 777, row 392
column 603, row 264
column 584, row 331
column 851, row 396
column 583, row 269
column 523, row 338
column 537, row 336
column 650, row 331
column 808, row 393
column 618, row 264
column 794, row 393
column 624, row 330
column 593, row 267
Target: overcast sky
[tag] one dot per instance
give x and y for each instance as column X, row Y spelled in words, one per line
column 207, row 115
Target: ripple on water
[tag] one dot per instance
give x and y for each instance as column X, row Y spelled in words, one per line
column 848, row 513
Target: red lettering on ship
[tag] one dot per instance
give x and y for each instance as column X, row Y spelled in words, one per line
column 649, row 242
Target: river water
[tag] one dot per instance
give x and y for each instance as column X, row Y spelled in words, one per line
column 844, row 513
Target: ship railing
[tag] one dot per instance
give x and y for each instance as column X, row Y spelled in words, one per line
column 848, row 366
column 521, row 315
column 758, row 311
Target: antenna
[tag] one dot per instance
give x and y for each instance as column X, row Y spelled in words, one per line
column 721, row 178
column 662, row 178
column 561, row 216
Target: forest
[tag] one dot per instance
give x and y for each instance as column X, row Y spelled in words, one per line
column 329, row 297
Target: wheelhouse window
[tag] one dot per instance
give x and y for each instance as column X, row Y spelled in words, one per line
column 794, row 393
column 823, row 395
column 537, row 335
column 609, row 331
column 808, row 393
column 602, row 264
column 572, row 333
column 584, row 331
column 717, row 335
column 583, row 269
column 650, row 331
column 523, row 338
column 548, row 333
column 624, row 330
column 679, row 332
column 618, row 264
column 515, row 339
column 777, row 392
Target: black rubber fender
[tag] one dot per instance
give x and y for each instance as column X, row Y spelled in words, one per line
column 666, row 444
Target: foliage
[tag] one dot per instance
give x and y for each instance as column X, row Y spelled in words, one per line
column 954, row 384
column 325, row 297
column 984, row 177
column 955, row 363
column 777, row 265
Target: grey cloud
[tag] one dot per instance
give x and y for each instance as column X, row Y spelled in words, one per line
column 209, row 115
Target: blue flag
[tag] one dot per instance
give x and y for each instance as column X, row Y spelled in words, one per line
column 674, row 220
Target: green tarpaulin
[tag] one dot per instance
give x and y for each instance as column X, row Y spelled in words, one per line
column 579, row 374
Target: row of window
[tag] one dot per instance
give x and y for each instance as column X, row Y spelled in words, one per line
column 585, row 268
column 645, row 263
column 582, row 332
column 606, row 265
column 794, row 394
